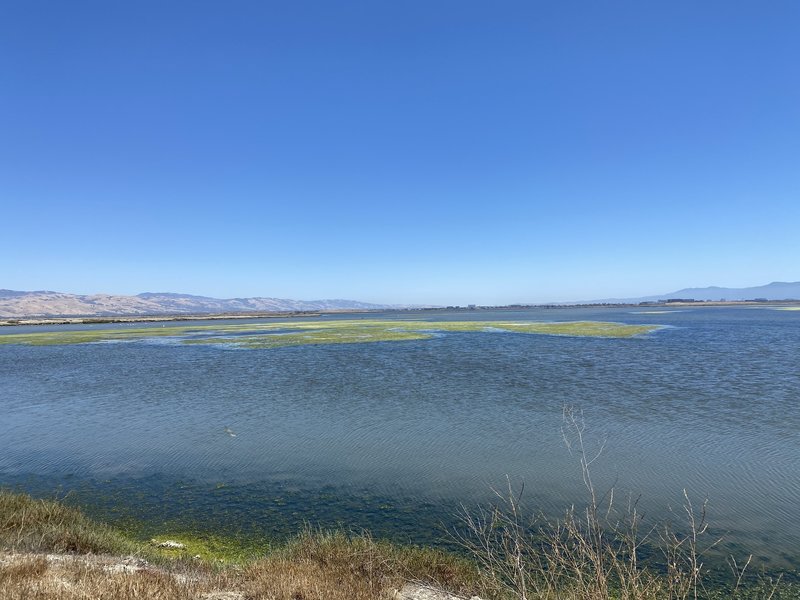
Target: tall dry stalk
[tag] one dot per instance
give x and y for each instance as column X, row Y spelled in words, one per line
column 591, row 553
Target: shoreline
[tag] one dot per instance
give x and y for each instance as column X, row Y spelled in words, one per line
column 45, row 542
column 110, row 319
column 9, row 321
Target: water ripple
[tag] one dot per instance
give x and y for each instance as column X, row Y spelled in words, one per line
column 708, row 404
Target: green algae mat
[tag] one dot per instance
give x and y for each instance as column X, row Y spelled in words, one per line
column 298, row 333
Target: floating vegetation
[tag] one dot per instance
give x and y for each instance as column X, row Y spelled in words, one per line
column 84, row 336
column 278, row 335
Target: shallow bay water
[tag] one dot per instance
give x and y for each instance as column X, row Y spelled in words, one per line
column 396, row 435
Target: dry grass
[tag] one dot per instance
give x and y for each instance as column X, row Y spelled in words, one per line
column 595, row 553
column 314, row 566
column 371, row 567
column 29, row 525
column 53, row 552
column 40, row 578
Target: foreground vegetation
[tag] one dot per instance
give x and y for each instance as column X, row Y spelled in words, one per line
column 602, row 551
column 313, row 565
column 49, row 551
column 276, row 335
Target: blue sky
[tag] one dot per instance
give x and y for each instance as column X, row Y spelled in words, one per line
column 416, row 151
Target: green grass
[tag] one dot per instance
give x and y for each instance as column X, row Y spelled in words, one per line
column 85, row 336
column 276, row 335
column 34, row 525
column 29, row 525
column 209, row 548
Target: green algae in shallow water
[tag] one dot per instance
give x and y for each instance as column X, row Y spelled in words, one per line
column 277, row 335
column 209, row 547
column 86, row 336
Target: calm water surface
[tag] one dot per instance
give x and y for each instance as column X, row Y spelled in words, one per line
column 395, row 436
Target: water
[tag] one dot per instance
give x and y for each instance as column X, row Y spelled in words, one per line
column 395, row 436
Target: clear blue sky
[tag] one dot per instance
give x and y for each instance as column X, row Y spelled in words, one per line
column 405, row 151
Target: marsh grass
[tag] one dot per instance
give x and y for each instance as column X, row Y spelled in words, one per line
column 277, row 335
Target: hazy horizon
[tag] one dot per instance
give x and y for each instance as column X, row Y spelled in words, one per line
column 391, row 302
column 408, row 153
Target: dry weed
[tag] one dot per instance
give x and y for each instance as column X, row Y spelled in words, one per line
column 592, row 553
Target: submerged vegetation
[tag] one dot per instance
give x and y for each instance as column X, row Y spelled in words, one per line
column 297, row 333
column 49, row 551
column 596, row 552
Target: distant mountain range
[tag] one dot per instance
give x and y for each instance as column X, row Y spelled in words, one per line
column 14, row 304
column 46, row 304
column 777, row 290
